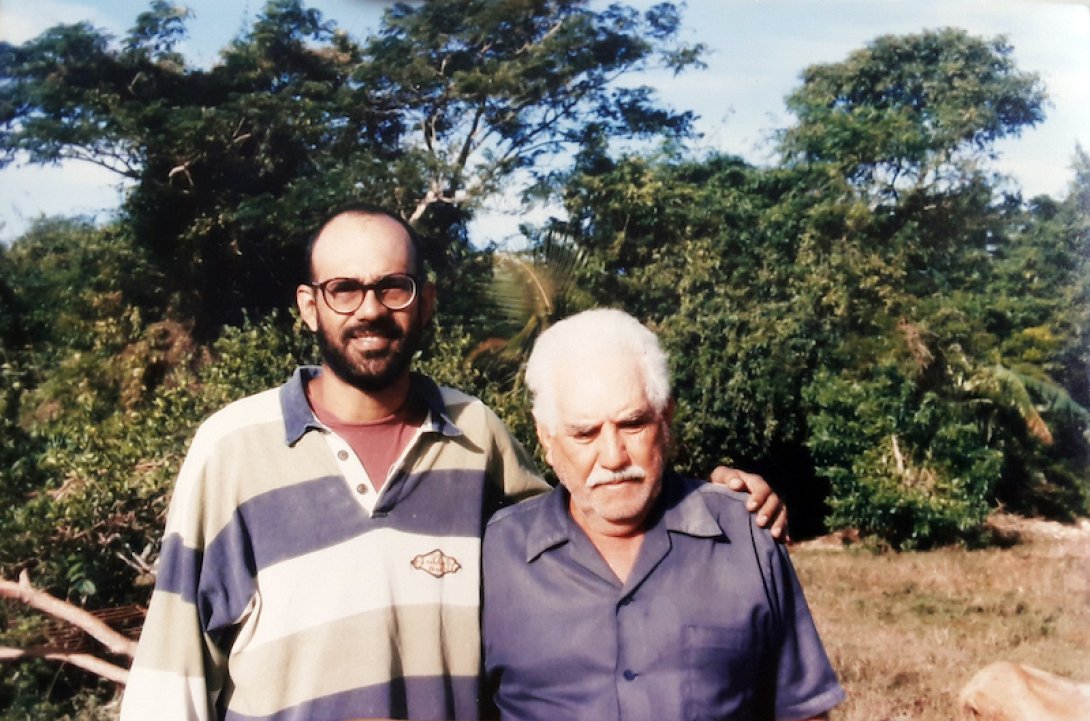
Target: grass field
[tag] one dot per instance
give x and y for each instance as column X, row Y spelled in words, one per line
column 906, row 631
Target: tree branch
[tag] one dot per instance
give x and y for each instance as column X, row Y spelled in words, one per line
column 86, row 661
column 50, row 605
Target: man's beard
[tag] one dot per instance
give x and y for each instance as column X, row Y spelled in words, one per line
column 372, row 370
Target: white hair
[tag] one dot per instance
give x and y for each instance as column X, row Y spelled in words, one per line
column 581, row 338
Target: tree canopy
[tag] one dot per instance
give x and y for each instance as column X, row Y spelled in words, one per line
column 912, row 111
column 233, row 164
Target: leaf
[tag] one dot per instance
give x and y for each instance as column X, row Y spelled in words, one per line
column 530, row 288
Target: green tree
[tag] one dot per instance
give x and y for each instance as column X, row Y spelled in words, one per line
column 492, row 88
column 233, row 164
column 920, row 414
column 227, row 164
column 829, row 319
column 911, row 112
column 1038, row 309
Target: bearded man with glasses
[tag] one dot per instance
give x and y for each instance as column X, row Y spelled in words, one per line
column 321, row 558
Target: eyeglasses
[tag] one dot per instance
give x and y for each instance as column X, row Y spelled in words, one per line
column 346, row 295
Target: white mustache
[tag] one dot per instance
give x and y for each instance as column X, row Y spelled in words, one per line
column 600, row 476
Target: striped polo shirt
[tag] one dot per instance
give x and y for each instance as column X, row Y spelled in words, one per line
column 289, row 589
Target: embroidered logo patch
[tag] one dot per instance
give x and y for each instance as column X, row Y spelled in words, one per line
column 436, row 563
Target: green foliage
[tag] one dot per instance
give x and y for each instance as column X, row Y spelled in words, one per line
column 906, row 464
column 233, row 166
column 73, row 694
column 90, row 527
column 911, row 111
column 496, row 87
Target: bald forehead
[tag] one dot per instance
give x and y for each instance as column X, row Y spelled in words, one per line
column 355, row 240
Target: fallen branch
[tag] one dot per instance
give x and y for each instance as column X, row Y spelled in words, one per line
column 116, row 643
column 86, row 661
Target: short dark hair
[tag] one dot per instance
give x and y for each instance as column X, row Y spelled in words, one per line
column 369, row 210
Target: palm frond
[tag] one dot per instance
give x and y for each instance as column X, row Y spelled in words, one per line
column 528, row 288
column 1008, row 386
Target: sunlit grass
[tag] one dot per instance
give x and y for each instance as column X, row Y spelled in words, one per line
column 906, row 631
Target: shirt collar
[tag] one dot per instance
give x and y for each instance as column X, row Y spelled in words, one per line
column 439, row 420
column 299, row 416
column 684, row 512
column 550, row 527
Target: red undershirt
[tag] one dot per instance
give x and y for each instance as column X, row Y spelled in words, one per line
column 378, row 444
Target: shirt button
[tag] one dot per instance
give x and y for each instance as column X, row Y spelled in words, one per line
column 343, row 455
column 630, row 675
column 362, row 489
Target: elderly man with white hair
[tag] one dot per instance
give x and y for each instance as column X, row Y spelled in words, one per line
column 630, row 592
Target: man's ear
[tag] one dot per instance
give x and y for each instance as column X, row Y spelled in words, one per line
column 546, row 439
column 306, row 299
column 427, row 301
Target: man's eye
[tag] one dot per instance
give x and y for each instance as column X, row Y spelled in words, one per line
column 344, row 286
column 402, row 284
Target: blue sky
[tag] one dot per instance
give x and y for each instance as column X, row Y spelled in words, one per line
column 757, row 50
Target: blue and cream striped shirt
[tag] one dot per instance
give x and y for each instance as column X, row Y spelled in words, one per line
column 288, row 589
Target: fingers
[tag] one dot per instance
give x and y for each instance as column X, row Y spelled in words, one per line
column 737, row 480
column 771, row 511
column 774, row 511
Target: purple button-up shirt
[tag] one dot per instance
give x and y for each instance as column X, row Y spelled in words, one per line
column 711, row 624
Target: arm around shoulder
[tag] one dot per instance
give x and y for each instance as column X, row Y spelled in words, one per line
column 763, row 501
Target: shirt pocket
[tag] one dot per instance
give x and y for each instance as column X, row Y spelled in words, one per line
column 722, row 670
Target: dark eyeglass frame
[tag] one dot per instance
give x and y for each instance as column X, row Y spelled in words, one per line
column 381, row 287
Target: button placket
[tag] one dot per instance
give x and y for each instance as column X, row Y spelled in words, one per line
column 351, row 469
column 631, row 692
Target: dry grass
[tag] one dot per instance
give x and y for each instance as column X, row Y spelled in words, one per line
column 906, row 631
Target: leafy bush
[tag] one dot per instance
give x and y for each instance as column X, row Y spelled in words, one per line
column 88, row 521
column 905, row 466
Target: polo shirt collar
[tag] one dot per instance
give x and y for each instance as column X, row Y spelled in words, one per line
column 439, row 420
column 299, row 417
column 685, row 512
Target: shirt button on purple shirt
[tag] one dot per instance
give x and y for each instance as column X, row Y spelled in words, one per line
column 705, row 652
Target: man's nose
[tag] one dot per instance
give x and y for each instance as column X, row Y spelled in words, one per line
column 371, row 307
column 612, row 452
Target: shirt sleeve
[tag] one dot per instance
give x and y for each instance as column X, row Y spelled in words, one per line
column 180, row 665
column 512, row 466
column 806, row 684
